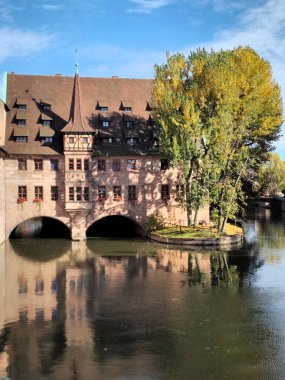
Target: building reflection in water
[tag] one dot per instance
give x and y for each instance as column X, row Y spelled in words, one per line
column 67, row 316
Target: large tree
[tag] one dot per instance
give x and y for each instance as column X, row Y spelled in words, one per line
column 217, row 111
column 271, row 176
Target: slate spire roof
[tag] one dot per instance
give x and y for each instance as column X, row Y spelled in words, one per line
column 76, row 122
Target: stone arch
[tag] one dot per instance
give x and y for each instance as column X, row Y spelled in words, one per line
column 40, row 226
column 115, row 225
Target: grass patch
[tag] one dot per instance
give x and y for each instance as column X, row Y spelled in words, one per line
column 196, row 232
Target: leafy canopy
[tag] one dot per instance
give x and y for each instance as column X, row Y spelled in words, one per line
column 217, row 112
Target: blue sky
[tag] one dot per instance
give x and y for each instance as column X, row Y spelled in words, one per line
column 127, row 37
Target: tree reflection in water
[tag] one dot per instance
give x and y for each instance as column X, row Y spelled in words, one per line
column 226, row 268
column 103, row 301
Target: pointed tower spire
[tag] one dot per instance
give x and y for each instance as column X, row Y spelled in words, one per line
column 76, row 122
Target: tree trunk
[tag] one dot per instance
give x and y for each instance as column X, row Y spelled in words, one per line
column 223, row 229
column 196, row 217
column 189, row 206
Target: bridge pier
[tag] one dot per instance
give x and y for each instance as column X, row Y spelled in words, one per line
column 78, row 226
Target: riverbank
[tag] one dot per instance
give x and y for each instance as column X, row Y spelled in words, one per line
column 198, row 236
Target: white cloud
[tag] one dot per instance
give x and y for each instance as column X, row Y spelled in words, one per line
column 6, row 11
column 146, row 6
column 52, row 7
column 20, row 43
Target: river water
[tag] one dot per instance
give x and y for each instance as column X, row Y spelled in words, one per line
column 111, row 309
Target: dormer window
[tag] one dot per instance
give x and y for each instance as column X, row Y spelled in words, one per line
column 23, row 139
column 21, row 117
column 129, row 123
column 103, row 105
column 46, row 123
column 126, row 106
column 46, row 120
column 48, row 140
column 21, row 134
column 22, row 103
column 45, row 105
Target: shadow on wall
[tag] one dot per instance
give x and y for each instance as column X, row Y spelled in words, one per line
column 115, row 226
column 41, row 227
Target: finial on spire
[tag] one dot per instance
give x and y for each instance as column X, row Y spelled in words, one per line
column 76, row 61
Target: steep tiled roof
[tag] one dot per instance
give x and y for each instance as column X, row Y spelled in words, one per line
column 92, row 94
column 76, row 122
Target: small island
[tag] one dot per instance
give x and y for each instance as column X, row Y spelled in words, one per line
column 207, row 235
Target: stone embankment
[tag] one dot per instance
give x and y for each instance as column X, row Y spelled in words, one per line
column 223, row 241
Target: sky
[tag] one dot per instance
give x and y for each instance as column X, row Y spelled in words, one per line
column 127, row 37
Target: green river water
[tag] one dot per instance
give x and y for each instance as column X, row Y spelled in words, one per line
column 113, row 309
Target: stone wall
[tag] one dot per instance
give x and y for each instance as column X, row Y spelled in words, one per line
column 147, row 177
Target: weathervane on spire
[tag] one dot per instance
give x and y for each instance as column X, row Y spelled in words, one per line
column 76, row 61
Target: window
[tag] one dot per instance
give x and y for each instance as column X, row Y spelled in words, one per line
column 132, row 141
column 180, row 191
column 21, row 139
column 22, row 192
column 21, row 106
column 132, row 193
column 48, row 140
column 101, row 193
column 71, row 194
column 78, row 164
column 127, row 109
column 86, row 165
column 84, row 140
column 54, row 193
column 23, row 285
column 164, row 165
column 105, row 124
column 71, row 164
column 101, row 165
column 116, row 165
column 117, row 191
column 53, row 164
column 39, row 192
column 78, row 193
column 71, row 140
column 22, row 164
column 21, row 122
column 129, row 123
column 46, row 106
column 131, row 164
column 46, row 123
column 39, row 286
column 164, row 192
column 108, row 140
column 38, row 164
column 103, row 108
column 86, row 194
